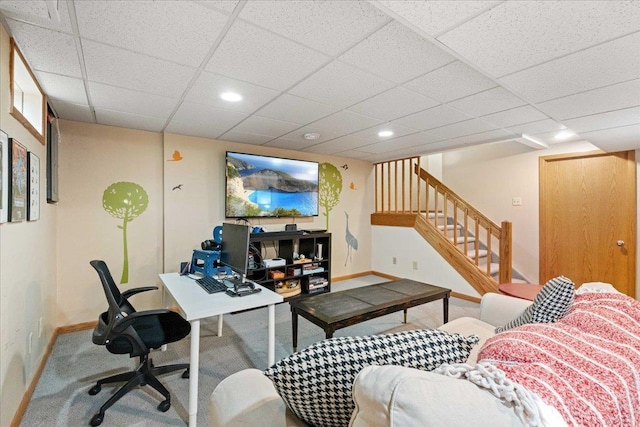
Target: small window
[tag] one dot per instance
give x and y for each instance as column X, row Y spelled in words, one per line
column 27, row 99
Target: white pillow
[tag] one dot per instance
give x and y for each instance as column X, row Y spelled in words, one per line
column 596, row 287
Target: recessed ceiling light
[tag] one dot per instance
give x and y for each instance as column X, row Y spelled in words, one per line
column 384, row 133
column 231, row 96
column 311, row 135
column 562, row 135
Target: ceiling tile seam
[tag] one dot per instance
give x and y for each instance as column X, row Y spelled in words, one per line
column 469, row 19
column 71, row 9
column 589, row 90
column 25, row 20
column 209, row 6
column 331, row 59
column 568, row 54
column 216, row 44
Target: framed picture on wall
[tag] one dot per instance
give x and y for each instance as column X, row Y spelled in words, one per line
column 33, row 187
column 4, row 177
column 19, row 177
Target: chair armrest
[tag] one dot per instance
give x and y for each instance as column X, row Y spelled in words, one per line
column 134, row 291
column 246, row 398
column 498, row 309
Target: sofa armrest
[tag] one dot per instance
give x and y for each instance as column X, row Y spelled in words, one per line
column 395, row 396
column 248, row 398
column 498, row 309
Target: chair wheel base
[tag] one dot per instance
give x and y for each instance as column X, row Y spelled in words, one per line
column 185, row 374
column 95, row 390
column 96, row 420
column 164, row 405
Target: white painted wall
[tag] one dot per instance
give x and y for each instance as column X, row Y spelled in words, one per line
column 407, row 246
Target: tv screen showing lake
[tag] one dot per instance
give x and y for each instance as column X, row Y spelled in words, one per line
column 267, row 200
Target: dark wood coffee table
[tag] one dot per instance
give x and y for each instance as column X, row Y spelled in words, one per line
column 336, row 310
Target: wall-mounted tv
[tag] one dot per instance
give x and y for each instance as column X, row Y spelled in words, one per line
column 265, row 186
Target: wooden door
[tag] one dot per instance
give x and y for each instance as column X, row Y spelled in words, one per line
column 588, row 218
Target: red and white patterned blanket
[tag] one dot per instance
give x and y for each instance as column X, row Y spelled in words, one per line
column 587, row 365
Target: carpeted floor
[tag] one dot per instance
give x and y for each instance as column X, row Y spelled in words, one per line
column 61, row 397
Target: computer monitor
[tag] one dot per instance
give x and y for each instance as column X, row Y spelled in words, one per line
column 235, row 247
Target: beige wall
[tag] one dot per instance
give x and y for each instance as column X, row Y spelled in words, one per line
column 193, row 212
column 91, row 158
column 27, row 272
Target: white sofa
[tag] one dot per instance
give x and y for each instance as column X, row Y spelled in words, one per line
column 248, row 398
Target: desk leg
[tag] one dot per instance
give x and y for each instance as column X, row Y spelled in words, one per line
column 405, row 316
column 294, row 329
column 271, row 358
column 220, row 325
column 445, row 308
column 194, row 362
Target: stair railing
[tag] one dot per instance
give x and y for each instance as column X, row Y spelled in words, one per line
column 403, row 188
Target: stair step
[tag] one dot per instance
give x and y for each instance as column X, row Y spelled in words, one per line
column 482, row 253
column 433, row 215
column 449, row 227
column 495, row 268
column 460, row 240
column 518, row 281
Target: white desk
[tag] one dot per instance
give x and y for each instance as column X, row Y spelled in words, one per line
column 197, row 304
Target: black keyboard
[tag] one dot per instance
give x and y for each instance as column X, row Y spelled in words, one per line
column 211, row 284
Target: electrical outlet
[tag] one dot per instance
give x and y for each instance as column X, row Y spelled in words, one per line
column 394, row 260
column 516, row 201
column 415, row 265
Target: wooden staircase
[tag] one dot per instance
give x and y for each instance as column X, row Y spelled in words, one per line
column 478, row 248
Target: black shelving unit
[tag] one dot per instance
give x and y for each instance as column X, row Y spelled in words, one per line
column 288, row 244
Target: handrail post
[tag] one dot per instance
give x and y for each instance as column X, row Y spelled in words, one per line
column 505, row 252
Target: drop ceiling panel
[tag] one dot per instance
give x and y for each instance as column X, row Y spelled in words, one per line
column 515, row 116
column 203, row 120
column 225, row 6
column 265, row 126
column 181, row 32
column 47, row 50
column 130, row 121
column 295, row 109
column 537, row 127
column 132, row 102
column 337, row 145
column 371, row 134
column 394, row 103
column 609, row 98
column 62, row 88
column 467, row 127
column 258, row 56
column 344, row 122
column 487, row 102
column 519, row 34
column 433, row 117
column 611, row 119
column 328, row 26
column 407, row 55
column 144, row 73
column 209, row 86
column 75, row 112
column 434, row 17
column 479, row 138
column 582, row 71
column 245, row 137
column 615, row 139
column 340, row 85
column 402, row 142
column 453, row 81
column 38, row 12
column 295, row 140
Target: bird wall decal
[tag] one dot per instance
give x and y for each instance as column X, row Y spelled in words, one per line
column 176, row 157
column 177, row 187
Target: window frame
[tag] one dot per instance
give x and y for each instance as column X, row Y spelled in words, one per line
column 13, row 111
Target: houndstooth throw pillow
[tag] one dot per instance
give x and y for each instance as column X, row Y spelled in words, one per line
column 316, row 382
column 552, row 303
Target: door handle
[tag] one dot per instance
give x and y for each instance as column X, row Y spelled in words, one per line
column 620, row 242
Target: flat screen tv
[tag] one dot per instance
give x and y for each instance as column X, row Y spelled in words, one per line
column 264, row 186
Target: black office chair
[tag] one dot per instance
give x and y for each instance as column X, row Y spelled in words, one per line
column 123, row 330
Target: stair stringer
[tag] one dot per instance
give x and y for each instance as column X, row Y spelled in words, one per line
column 478, row 279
